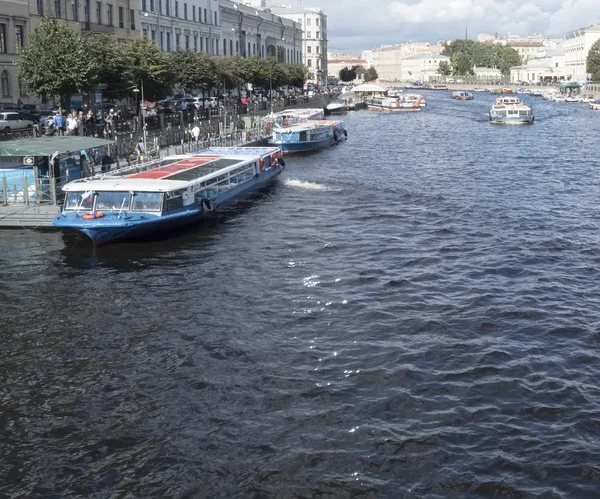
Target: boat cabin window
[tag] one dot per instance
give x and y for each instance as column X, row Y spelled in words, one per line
column 147, row 201
column 113, row 200
column 302, row 137
column 78, row 200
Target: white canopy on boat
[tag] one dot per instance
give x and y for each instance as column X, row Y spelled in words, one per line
column 369, row 88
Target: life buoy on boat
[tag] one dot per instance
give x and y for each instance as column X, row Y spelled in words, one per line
column 90, row 215
column 207, row 206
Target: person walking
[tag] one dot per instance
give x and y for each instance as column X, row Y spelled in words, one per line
column 59, row 123
column 196, row 134
column 72, row 125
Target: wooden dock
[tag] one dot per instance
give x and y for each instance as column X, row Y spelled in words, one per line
column 33, row 216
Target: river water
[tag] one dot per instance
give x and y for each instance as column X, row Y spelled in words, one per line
column 413, row 313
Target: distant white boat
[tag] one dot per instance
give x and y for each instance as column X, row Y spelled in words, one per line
column 336, row 108
column 510, row 111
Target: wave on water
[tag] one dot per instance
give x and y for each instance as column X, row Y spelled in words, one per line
column 312, row 186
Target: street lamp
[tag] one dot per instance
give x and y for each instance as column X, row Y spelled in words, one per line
column 143, row 109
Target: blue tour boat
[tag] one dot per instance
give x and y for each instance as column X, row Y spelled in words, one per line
column 308, row 136
column 173, row 192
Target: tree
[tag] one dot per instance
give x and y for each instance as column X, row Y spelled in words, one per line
column 371, row 74
column 444, row 68
column 593, row 61
column 193, row 70
column 508, row 57
column 347, row 74
column 461, row 64
column 228, row 71
column 111, row 66
column 57, row 62
column 146, row 63
column 297, row 74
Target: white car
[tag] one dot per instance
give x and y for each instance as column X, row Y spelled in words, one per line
column 10, row 121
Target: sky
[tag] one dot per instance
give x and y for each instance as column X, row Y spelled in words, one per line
column 356, row 25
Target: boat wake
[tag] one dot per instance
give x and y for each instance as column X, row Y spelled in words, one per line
column 312, row 186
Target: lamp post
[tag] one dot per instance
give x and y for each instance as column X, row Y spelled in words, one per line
column 143, row 107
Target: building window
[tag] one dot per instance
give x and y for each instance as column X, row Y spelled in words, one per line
column 98, row 12
column 144, row 5
column 4, row 83
column 317, row 21
column 237, row 47
column 185, row 10
column 204, row 16
column 317, row 35
column 160, row 7
column 87, row 12
column 308, row 34
column 121, row 21
column 74, row 11
column 318, row 51
column 153, row 35
column 145, row 34
column 151, row 6
column 2, row 38
column 193, row 12
column 22, row 89
column 309, row 63
column 215, row 18
column 168, row 7
column 177, row 41
column 195, row 43
column 176, row 8
column 230, row 47
column 19, row 36
column 40, row 7
column 161, row 40
column 109, row 15
column 309, row 49
column 132, row 18
column 187, row 42
column 168, row 42
column 224, row 46
column 308, row 22
column 57, row 8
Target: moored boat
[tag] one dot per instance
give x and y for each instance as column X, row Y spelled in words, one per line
column 308, row 136
column 416, row 99
column 462, row 95
column 392, row 104
column 336, row 108
column 170, row 193
column 510, row 111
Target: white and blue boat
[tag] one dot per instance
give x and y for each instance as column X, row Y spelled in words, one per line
column 308, row 136
column 510, row 111
column 173, row 192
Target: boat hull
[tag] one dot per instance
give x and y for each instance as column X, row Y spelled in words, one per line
column 395, row 109
column 305, row 146
column 114, row 227
column 521, row 120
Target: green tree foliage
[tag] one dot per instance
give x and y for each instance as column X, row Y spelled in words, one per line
column 444, row 68
column 146, row 63
column 229, row 71
column 57, row 62
column 111, row 65
column 193, row 70
column 347, row 74
column 461, row 64
column 466, row 54
column 371, row 74
column 593, row 61
column 297, row 74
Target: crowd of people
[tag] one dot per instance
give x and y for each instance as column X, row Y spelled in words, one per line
column 90, row 125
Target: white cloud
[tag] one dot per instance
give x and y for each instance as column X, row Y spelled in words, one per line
column 355, row 25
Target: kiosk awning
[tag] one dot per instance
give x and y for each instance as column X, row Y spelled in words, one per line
column 47, row 146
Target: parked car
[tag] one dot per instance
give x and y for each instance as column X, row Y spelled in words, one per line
column 11, row 120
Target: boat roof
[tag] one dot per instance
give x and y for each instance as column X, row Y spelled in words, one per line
column 172, row 176
column 47, row 146
column 300, row 112
column 308, row 125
